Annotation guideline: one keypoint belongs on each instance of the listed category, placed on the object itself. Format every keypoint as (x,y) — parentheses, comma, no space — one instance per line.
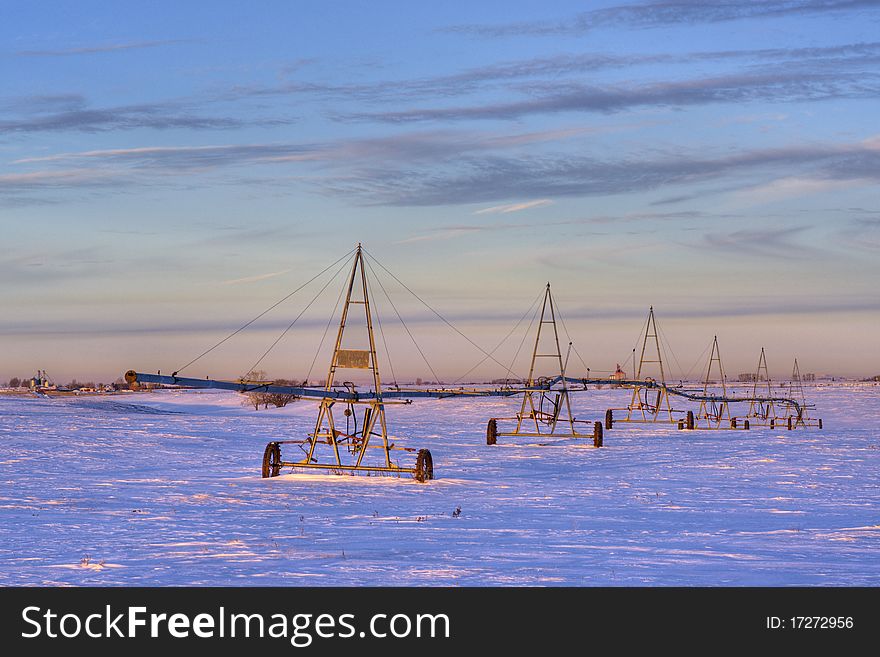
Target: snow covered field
(165,489)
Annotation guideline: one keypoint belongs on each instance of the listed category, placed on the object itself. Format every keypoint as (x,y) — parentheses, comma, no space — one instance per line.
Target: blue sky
(169,170)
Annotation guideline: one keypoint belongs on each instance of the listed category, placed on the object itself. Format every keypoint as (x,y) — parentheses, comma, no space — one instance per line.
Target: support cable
(665,340)
(272,307)
(523,341)
(570,341)
(441,317)
(381,331)
(643,335)
(504,339)
(699,359)
(326,330)
(405,327)
(296,319)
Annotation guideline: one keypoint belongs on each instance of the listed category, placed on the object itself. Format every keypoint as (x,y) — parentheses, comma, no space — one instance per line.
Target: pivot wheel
(492,432)
(272,460)
(424,466)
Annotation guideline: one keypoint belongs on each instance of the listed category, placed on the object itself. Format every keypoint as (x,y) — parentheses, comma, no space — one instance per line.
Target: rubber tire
(609,418)
(597,435)
(424,466)
(492,432)
(689,423)
(272,460)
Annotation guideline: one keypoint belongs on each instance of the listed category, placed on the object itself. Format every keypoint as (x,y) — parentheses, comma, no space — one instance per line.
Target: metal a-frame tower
(649,402)
(762,411)
(328,447)
(796,391)
(545,409)
(715,412)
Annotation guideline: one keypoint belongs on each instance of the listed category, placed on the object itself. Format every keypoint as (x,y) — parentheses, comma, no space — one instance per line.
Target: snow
(164,488)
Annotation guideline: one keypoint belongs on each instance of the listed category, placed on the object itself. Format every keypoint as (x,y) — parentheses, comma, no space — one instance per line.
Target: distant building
(40,382)
(619,374)
(809,376)
(746,377)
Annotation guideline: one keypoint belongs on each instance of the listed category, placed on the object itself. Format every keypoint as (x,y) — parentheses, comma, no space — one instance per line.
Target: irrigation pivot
(363,445)
(331,447)
(650,395)
(545,409)
(802,417)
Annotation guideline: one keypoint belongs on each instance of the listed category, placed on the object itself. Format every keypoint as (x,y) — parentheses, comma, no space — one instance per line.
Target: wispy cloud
(42,103)
(211,235)
(66,178)
(796,187)
(153,116)
(451,232)
(410,148)
(120,169)
(773,305)
(40,267)
(779,86)
(551,84)
(254,279)
(442,234)
(774,243)
(180,157)
(103,48)
(496,178)
(515,207)
(660,13)
(72,112)
(556,71)
(456,168)
(862,232)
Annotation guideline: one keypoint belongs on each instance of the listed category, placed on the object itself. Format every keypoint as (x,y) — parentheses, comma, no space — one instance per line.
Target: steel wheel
(492,432)
(424,466)
(272,460)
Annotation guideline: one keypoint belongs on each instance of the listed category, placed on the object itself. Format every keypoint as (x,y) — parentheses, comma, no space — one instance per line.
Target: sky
(168,171)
